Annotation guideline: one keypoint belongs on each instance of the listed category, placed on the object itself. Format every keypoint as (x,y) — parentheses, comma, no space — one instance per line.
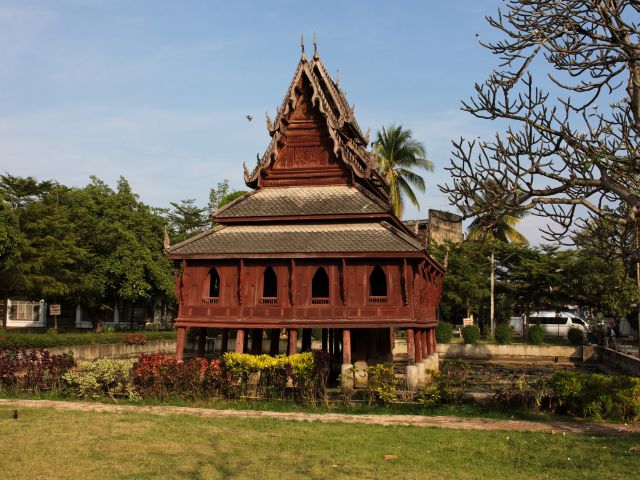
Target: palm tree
(398,153)
(496,224)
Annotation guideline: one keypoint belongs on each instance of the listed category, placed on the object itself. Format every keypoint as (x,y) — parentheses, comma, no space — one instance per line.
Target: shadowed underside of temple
(315,245)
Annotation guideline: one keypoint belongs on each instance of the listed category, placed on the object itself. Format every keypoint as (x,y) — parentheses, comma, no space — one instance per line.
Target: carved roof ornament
(348,142)
(303,57)
(316,57)
(269,124)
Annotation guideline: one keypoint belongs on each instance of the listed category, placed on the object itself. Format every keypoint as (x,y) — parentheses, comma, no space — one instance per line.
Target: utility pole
(493,282)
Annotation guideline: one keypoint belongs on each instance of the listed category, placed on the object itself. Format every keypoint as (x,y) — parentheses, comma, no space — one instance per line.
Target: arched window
(269,283)
(377,284)
(214,283)
(211,292)
(320,286)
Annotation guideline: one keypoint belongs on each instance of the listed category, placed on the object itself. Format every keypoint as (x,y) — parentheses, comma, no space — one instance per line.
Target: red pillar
(274,347)
(240,340)
(418,339)
(346,346)
(224,341)
(411,347)
(434,344)
(293,341)
(425,343)
(180,341)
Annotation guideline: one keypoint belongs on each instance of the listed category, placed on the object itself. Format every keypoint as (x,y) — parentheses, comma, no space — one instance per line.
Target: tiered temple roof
(317,188)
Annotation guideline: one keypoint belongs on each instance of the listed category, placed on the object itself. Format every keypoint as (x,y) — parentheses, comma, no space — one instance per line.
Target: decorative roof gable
(314,103)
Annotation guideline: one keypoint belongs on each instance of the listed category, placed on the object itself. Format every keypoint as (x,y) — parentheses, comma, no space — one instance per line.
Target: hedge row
(52,339)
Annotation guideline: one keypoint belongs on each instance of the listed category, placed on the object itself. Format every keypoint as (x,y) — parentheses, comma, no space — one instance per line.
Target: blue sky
(158,91)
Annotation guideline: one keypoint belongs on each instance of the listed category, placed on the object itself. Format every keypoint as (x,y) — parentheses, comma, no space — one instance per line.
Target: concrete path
(458,423)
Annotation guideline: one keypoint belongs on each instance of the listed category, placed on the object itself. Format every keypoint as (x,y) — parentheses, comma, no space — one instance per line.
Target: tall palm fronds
(495,224)
(399,153)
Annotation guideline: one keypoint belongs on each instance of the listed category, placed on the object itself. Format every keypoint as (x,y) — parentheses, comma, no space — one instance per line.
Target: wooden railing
(211,300)
(319,301)
(378,299)
(268,300)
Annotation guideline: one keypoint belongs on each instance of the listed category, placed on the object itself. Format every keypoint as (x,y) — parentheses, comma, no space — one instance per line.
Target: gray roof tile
(300,238)
(297,201)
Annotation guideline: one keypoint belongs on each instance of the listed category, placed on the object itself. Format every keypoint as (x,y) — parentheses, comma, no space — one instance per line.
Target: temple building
(315,245)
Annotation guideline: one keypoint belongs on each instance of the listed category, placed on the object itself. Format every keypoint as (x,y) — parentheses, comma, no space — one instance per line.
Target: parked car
(553,323)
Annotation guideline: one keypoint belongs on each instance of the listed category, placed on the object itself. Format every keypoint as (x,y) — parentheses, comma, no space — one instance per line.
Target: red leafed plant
(162,376)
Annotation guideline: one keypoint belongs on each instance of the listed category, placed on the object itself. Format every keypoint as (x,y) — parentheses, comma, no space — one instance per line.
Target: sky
(158,91)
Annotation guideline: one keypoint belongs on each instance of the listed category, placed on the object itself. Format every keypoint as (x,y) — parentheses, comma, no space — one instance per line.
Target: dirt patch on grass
(450,422)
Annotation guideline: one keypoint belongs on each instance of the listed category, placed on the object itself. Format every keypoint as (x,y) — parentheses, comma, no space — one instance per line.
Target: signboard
(54,310)
(467,321)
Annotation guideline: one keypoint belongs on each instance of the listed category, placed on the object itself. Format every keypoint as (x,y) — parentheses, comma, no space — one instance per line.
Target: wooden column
(293,341)
(274,347)
(426,351)
(202,341)
(325,339)
(240,340)
(346,346)
(224,341)
(306,339)
(411,347)
(180,341)
(418,339)
(256,341)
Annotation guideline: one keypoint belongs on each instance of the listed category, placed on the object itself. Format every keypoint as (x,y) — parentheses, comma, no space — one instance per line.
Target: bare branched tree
(565,158)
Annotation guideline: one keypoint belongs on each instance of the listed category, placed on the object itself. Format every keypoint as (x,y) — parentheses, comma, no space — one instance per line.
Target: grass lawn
(44,443)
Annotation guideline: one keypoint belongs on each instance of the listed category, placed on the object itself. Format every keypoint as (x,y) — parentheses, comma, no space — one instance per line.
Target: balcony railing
(268,300)
(211,300)
(378,299)
(319,301)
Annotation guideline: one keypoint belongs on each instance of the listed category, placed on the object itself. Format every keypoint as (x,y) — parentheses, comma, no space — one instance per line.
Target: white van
(552,323)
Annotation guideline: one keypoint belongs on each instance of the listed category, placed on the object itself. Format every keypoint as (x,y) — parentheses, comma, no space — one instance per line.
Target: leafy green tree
(186,219)
(465,288)
(125,238)
(398,154)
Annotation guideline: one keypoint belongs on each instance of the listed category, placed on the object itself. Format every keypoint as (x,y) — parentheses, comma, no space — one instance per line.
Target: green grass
(45,443)
(49,340)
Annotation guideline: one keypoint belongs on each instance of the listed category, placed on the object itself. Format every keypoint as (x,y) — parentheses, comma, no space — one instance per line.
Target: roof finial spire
(337,77)
(315,47)
(303,57)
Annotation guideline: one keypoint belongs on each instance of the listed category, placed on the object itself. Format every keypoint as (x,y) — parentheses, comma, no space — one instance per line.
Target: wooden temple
(315,245)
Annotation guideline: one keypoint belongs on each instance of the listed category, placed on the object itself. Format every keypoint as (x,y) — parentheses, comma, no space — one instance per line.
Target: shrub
(575,336)
(615,397)
(471,334)
(308,372)
(381,384)
(535,335)
(100,378)
(32,370)
(430,394)
(453,380)
(444,332)
(504,334)
(39,340)
(162,376)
